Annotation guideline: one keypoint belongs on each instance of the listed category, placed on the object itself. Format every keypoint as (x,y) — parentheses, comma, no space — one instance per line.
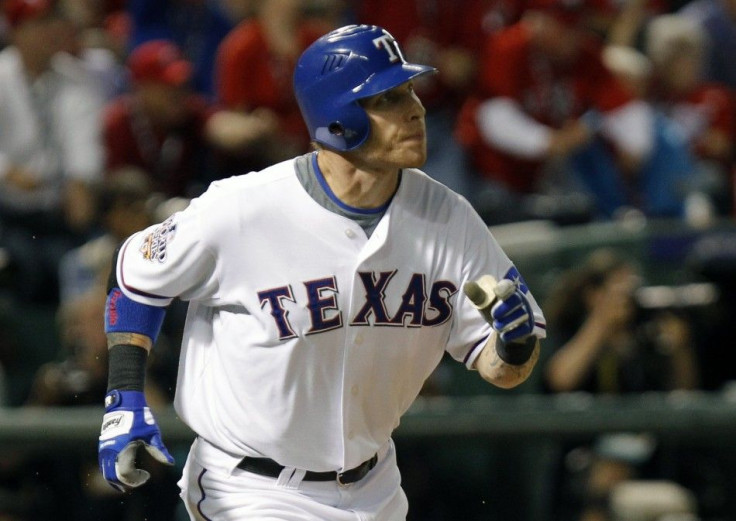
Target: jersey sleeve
(168,260)
(483,256)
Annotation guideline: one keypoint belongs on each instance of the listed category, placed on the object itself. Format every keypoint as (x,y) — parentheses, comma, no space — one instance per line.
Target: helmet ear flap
(347,128)
(335,128)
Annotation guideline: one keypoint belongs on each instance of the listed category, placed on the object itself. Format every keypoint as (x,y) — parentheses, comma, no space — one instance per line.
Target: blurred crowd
(115,113)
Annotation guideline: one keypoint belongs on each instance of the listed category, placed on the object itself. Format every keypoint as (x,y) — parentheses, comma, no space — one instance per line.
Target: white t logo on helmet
(389,45)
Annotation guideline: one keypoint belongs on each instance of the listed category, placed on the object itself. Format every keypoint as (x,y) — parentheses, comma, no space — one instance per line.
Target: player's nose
(416,107)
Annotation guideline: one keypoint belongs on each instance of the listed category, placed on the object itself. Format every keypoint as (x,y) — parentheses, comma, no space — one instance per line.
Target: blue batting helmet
(340,68)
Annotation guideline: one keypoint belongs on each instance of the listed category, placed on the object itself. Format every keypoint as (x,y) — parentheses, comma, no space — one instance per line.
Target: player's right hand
(128,424)
(513,316)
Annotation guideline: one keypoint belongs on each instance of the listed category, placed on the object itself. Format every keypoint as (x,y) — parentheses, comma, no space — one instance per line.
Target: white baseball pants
(214,490)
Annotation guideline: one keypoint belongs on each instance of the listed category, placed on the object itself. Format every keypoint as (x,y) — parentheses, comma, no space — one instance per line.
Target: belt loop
(290,477)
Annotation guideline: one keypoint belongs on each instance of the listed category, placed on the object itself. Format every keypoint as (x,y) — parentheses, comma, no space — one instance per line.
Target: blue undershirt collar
(326,187)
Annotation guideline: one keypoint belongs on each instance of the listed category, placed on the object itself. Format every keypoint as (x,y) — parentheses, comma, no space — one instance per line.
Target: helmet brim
(389,78)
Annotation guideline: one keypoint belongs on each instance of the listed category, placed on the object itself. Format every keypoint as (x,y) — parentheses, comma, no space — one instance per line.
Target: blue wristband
(123,315)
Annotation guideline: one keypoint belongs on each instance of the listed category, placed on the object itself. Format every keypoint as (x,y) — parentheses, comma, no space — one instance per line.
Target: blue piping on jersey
(475,346)
(338,202)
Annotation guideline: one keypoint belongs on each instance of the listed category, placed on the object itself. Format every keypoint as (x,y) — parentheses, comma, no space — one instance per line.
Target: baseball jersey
(306,340)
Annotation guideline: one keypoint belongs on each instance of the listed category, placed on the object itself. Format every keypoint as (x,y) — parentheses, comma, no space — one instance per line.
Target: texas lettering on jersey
(421,304)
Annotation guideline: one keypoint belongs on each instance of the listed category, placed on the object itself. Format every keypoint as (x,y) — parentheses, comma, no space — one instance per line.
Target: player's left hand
(513,316)
(127,425)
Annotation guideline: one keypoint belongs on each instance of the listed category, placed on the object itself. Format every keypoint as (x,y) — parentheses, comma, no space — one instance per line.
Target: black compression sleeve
(127,367)
(516,353)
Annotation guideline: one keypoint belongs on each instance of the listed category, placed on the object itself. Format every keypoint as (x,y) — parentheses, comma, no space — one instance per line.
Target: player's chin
(414,155)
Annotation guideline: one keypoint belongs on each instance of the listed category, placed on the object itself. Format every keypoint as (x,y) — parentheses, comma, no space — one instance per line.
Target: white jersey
(306,340)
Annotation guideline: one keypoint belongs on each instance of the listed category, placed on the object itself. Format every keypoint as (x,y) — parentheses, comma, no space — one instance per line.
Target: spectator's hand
(612,305)
(572,136)
(234,130)
(128,424)
(673,333)
(22,179)
(458,67)
(79,206)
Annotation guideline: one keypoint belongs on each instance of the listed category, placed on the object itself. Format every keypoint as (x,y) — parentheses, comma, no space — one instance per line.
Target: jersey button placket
(351,390)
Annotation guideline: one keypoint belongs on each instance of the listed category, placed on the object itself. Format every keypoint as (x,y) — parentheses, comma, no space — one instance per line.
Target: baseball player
(322,292)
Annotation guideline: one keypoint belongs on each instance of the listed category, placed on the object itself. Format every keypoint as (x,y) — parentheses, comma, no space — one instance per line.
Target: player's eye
(391,97)
(398,94)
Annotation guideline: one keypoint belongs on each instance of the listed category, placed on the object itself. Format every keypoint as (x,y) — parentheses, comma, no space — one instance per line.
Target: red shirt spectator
(705,111)
(445,22)
(676,46)
(444,33)
(160,126)
(251,75)
(550,91)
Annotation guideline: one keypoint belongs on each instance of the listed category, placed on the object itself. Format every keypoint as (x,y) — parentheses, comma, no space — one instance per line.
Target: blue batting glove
(513,317)
(128,424)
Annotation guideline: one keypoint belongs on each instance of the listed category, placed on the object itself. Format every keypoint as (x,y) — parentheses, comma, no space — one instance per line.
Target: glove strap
(518,352)
(116,399)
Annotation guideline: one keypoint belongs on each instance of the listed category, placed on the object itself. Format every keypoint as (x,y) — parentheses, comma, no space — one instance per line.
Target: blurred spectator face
(616,291)
(241,9)
(682,71)
(676,46)
(565,46)
(332,12)
(559,34)
(164,104)
(127,217)
(125,198)
(35,28)
(85,13)
(161,75)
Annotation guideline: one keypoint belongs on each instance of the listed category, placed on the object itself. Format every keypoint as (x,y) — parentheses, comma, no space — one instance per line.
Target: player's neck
(355,184)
